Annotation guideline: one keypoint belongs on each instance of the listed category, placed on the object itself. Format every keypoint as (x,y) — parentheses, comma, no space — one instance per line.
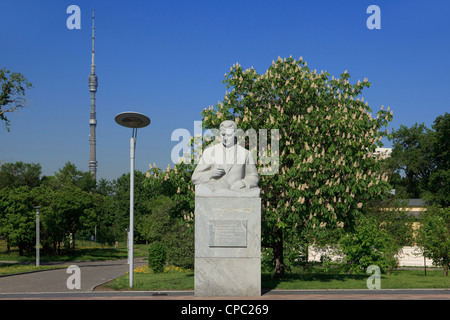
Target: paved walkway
(93,273)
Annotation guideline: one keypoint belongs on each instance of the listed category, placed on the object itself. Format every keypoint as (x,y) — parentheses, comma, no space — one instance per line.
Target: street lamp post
(37,235)
(132,120)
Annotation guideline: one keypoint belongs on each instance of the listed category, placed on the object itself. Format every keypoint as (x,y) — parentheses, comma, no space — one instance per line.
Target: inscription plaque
(228,233)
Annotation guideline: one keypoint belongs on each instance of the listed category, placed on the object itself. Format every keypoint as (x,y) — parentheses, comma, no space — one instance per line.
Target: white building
(383,153)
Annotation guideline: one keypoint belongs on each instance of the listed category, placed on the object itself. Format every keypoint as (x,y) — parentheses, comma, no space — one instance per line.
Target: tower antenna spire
(93,44)
(93,83)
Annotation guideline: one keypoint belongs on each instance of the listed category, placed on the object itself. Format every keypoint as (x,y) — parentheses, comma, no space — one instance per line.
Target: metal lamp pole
(37,235)
(132,120)
(131,234)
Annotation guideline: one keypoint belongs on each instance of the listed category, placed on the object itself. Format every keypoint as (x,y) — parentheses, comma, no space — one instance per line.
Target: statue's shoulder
(211,150)
(212,147)
(241,149)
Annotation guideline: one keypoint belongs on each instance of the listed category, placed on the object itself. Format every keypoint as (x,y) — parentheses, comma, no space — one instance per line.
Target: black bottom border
(219,309)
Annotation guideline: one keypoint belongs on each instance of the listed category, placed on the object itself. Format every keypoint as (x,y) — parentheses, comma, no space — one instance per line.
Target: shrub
(369,245)
(434,236)
(157,257)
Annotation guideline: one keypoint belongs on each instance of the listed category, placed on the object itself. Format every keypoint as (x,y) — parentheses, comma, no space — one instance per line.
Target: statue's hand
(237,185)
(217,172)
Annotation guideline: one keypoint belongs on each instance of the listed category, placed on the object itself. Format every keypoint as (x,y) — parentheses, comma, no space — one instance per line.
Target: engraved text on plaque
(228,233)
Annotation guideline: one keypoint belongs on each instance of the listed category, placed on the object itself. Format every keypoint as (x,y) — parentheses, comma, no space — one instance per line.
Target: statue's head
(228,131)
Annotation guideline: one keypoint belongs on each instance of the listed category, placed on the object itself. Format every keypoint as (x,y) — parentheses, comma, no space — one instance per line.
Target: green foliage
(69,175)
(392,217)
(142,195)
(103,218)
(439,183)
(19,174)
(67,206)
(62,214)
(12,95)
(412,160)
(154,225)
(420,162)
(368,244)
(434,236)
(177,184)
(175,208)
(73,208)
(326,173)
(157,257)
(438,188)
(441,148)
(18,218)
(177,237)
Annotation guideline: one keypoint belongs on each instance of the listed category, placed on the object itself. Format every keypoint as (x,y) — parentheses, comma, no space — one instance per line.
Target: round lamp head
(132,119)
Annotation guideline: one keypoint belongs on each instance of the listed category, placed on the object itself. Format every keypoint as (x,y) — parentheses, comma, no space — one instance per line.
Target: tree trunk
(73,242)
(306,261)
(8,245)
(278,255)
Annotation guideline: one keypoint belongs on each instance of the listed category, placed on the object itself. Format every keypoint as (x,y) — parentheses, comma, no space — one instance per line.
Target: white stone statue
(226,166)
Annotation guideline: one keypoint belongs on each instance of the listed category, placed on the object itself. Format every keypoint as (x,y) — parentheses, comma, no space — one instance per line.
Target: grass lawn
(7,268)
(173,278)
(84,251)
(181,279)
(398,279)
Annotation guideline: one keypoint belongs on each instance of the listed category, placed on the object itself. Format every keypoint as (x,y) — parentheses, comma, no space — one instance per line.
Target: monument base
(227,246)
(224,277)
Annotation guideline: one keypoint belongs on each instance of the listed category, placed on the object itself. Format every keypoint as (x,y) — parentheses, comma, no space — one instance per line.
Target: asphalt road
(92,274)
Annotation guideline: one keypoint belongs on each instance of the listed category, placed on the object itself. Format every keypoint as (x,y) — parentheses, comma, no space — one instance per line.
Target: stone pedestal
(228,244)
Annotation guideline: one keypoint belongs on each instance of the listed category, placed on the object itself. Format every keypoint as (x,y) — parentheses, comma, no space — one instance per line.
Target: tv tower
(93,83)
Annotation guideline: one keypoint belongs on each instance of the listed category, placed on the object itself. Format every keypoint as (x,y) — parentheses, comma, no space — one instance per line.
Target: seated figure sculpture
(226,166)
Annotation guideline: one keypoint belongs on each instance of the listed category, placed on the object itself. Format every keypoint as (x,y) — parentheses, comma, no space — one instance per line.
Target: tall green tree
(53,233)
(103,217)
(420,161)
(12,95)
(412,160)
(439,182)
(20,174)
(141,197)
(18,218)
(434,236)
(69,206)
(70,175)
(326,173)
(68,202)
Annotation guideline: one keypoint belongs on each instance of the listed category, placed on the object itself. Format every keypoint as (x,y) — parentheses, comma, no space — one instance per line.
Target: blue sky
(167,59)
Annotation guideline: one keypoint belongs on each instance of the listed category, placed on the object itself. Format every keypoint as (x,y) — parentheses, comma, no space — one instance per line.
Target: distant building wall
(383,153)
(408,256)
